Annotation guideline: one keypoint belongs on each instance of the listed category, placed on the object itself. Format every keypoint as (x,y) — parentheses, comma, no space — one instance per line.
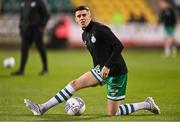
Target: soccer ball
(75,106)
(9,62)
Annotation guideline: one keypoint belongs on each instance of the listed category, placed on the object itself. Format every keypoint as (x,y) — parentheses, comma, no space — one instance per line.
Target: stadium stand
(105,9)
(61,6)
(102,10)
(55,6)
(10,6)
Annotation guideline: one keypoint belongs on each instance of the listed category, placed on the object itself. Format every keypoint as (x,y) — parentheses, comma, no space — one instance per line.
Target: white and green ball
(9,62)
(75,106)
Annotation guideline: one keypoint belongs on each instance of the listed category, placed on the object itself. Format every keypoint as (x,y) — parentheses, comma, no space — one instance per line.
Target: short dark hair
(79,8)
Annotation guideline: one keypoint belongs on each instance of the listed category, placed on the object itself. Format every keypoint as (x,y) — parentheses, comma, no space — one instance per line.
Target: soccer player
(33,19)
(109,68)
(169,20)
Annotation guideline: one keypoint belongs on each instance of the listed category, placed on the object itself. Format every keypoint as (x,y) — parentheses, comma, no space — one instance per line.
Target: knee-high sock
(61,96)
(167,51)
(126,109)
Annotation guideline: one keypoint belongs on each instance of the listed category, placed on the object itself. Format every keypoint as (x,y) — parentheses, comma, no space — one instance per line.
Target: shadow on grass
(65,117)
(50,117)
(5,75)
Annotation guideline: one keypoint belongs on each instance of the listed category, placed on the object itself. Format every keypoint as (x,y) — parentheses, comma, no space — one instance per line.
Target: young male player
(169,20)
(109,68)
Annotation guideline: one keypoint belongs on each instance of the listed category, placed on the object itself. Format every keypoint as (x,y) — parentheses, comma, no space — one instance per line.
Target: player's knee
(74,84)
(111,113)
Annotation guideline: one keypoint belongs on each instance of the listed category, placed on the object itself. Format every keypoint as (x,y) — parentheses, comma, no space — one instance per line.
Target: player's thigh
(38,38)
(26,41)
(85,80)
(116,89)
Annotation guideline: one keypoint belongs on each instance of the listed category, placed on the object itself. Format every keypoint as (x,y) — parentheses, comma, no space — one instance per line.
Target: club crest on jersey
(22,4)
(93,39)
(33,4)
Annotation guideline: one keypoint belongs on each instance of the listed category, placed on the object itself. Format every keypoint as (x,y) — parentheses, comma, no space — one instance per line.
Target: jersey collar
(88,27)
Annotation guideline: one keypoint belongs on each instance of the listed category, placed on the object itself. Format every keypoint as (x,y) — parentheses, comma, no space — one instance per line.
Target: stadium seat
(55,6)
(62,6)
(11,6)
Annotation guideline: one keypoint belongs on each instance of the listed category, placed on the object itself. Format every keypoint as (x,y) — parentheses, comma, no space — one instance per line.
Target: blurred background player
(168,19)
(109,68)
(33,19)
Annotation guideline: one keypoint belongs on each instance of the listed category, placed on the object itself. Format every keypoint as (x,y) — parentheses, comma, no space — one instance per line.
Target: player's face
(163,4)
(83,18)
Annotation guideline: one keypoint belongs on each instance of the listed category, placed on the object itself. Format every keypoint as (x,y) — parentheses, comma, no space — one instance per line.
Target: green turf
(150,74)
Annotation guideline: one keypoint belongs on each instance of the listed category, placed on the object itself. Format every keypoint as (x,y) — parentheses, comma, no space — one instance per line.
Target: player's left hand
(104,72)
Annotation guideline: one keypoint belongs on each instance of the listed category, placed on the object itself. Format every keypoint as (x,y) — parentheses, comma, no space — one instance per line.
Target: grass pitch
(150,74)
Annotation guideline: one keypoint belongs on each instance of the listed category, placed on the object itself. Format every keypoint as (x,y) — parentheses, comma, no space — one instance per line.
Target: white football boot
(36,109)
(153,107)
